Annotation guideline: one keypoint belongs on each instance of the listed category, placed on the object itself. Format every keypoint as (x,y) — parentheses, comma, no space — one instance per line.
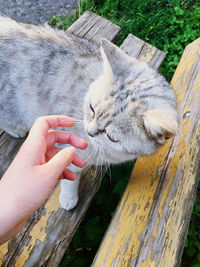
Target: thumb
(60,161)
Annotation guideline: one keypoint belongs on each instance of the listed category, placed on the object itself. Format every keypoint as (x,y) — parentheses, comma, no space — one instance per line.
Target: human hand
(35,170)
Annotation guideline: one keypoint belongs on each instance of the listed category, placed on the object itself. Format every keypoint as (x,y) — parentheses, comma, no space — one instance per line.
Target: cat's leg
(69,193)
(18,131)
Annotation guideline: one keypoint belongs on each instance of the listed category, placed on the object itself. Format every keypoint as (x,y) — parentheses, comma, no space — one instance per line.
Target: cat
(123,108)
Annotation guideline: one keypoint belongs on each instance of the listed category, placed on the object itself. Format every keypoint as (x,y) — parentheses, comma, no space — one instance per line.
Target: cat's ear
(161,124)
(113,57)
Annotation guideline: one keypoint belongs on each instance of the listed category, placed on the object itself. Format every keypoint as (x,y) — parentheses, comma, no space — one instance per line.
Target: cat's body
(123,108)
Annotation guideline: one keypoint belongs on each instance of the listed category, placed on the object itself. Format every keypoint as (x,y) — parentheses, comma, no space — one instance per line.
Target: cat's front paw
(20,131)
(68,203)
(17,131)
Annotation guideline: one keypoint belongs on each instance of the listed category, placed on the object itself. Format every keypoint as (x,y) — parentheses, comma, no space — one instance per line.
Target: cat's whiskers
(91,158)
(97,167)
(91,162)
(108,170)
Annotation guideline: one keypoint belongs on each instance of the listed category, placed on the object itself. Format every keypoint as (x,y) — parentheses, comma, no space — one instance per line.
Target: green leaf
(195,265)
(93,221)
(119,187)
(92,229)
(197,244)
(77,263)
(76,240)
(68,259)
(178,10)
(186,243)
(190,251)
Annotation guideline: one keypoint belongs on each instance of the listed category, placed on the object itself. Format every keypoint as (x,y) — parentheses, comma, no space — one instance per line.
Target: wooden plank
(151,221)
(93,27)
(48,233)
(136,47)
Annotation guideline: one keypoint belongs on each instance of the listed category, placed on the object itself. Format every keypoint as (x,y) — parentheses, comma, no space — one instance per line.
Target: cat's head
(130,109)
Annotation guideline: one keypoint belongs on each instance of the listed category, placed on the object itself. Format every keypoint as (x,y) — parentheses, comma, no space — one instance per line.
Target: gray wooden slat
(143,51)
(157,59)
(83,25)
(132,45)
(8,148)
(94,27)
(46,236)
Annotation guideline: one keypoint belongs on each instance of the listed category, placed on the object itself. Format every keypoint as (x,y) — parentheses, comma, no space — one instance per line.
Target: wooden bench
(150,224)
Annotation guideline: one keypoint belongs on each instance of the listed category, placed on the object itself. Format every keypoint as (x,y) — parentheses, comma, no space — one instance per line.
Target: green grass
(170,26)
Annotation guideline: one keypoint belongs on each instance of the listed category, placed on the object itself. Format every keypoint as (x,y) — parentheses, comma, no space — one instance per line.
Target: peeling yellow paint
(148,262)
(173,165)
(39,230)
(174,224)
(140,190)
(3,251)
(182,73)
(198,84)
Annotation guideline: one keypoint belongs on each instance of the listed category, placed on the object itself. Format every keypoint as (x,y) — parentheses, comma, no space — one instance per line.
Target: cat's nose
(90,133)
(92,129)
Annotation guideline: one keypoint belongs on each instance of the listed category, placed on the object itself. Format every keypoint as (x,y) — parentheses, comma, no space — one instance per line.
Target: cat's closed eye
(112,139)
(92,109)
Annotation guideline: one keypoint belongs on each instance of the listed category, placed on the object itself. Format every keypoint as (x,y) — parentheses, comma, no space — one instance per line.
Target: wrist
(10,220)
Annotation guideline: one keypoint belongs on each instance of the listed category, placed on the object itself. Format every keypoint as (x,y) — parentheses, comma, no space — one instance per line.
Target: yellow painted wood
(151,221)
(38,232)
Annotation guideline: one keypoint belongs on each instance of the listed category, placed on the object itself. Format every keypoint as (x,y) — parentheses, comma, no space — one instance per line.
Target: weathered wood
(48,233)
(136,47)
(150,225)
(93,27)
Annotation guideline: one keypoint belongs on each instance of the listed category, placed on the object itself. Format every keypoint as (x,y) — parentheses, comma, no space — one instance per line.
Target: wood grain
(48,233)
(94,27)
(150,225)
(136,47)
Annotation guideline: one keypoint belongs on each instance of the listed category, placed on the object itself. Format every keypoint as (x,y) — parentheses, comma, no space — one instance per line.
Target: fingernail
(68,120)
(84,144)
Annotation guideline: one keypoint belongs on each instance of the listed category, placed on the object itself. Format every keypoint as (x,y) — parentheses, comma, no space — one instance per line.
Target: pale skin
(32,175)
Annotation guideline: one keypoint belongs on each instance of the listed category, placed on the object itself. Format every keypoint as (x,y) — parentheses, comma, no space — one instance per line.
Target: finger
(52,152)
(43,124)
(56,165)
(77,161)
(64,137)
(69,175)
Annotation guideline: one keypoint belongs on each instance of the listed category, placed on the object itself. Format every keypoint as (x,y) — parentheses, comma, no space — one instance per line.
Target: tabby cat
(123,108)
